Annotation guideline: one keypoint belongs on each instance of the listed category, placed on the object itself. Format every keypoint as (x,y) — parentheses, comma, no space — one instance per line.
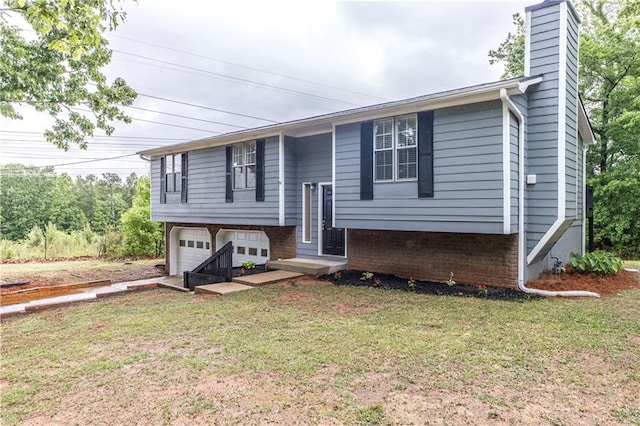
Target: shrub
(597,262)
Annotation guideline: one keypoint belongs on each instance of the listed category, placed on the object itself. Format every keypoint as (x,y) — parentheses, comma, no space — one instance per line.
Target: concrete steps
(266,277)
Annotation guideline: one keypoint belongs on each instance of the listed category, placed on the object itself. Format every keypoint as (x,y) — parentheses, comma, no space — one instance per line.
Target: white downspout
(521,240)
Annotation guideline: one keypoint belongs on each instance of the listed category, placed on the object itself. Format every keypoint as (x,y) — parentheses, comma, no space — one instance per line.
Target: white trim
(304,216)
(506,168)
(562,113)
(524,85)
(281,182)
(527,44)
(583,185)
(333,178)
(544,240)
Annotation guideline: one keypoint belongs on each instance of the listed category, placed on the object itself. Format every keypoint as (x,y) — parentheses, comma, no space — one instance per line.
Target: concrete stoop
(266,278)
(308,266)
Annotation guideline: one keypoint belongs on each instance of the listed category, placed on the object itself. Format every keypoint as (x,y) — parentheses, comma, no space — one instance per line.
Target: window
(306,212)
(244,165)
(395,142)
(173,173)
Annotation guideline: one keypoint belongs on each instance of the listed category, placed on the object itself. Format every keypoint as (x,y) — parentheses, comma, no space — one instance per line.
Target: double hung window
(173,173)
(395,142)
(244,165)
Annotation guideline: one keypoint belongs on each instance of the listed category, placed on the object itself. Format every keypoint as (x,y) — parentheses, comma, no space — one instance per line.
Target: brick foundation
(473,258)
(282,239)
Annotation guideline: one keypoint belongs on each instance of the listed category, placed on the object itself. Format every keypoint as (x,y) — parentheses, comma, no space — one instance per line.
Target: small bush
(597,262)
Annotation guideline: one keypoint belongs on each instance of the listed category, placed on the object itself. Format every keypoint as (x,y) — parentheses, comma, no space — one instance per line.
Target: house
(485,181)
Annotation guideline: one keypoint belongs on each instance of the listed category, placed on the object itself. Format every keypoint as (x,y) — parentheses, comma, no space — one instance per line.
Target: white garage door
(247,245)
(194,247)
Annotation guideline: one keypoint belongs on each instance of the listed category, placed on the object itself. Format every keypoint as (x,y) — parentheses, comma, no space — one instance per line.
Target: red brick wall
(473,258)
(282,239)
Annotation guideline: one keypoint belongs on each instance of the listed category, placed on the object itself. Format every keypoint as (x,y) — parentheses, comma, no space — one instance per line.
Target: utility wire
(144,95)
(248,67)
(99,136)
(239,79)
(188,118)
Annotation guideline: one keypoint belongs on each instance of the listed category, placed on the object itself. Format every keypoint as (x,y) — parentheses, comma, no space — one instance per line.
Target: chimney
(551,51)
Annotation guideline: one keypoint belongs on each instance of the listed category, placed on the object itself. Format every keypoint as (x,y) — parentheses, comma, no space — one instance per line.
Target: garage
(247,245)
(190,247)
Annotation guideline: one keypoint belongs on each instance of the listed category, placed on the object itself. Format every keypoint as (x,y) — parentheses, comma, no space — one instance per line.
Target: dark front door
(332,238)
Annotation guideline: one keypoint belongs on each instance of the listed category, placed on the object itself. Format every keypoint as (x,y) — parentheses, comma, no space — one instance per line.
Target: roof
(324,123)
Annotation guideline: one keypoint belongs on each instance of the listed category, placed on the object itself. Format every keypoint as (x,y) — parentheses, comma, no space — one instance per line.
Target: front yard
(314,353)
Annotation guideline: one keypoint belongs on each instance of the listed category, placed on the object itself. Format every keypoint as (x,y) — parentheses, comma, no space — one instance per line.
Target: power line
(240,80)
(188,118)
(159,122)
(88,161)
(249,68)
(100,136)
(144,95)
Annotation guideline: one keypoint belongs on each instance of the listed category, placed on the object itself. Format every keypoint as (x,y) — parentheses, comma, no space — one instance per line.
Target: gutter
(521,235)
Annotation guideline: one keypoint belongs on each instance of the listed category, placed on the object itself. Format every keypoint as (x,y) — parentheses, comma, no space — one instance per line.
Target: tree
(61,68)
(609,86)
(141,235)
(25,198)
(64,211)
(511,51)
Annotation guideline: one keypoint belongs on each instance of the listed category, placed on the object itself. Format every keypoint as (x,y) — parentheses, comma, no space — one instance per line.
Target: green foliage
(511,51)
(597,262)
(25,198)
(248,264)
(366,276)
(51,243)
(141,235)
(61,67)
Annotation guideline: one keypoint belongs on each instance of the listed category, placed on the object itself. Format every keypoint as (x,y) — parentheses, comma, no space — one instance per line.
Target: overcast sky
(270,61)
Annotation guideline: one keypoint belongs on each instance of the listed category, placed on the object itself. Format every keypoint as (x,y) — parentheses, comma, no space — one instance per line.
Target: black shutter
(366,160)
(185,173)
(425,154)
(163,171)
(229,175)
(260,170)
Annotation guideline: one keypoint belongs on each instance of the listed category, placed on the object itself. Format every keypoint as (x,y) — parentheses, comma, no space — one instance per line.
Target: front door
(332,238)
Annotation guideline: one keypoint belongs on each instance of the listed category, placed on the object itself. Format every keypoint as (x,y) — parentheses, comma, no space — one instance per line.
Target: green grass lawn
(321,354)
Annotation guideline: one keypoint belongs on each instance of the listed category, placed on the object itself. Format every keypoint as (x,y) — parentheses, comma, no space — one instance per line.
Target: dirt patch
(80,271)
(295,295)
(604,285)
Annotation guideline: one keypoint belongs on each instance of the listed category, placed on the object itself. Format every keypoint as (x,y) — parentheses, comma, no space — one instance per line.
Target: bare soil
(71,272)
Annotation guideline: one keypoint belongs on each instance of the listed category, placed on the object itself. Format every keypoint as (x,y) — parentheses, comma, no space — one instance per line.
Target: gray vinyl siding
(313,155)
(206,196)
(290,181)
(514,127)
(542,126)
(571,161)
(468,180)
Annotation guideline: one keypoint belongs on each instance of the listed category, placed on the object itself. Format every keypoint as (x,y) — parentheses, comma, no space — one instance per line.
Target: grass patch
(339,354)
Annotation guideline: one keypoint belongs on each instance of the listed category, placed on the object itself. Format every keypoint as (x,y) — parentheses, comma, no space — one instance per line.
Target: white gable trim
(527,44)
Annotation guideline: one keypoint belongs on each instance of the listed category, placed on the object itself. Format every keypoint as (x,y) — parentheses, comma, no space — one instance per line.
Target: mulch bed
(393,282)
(624,280)
(610,284)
